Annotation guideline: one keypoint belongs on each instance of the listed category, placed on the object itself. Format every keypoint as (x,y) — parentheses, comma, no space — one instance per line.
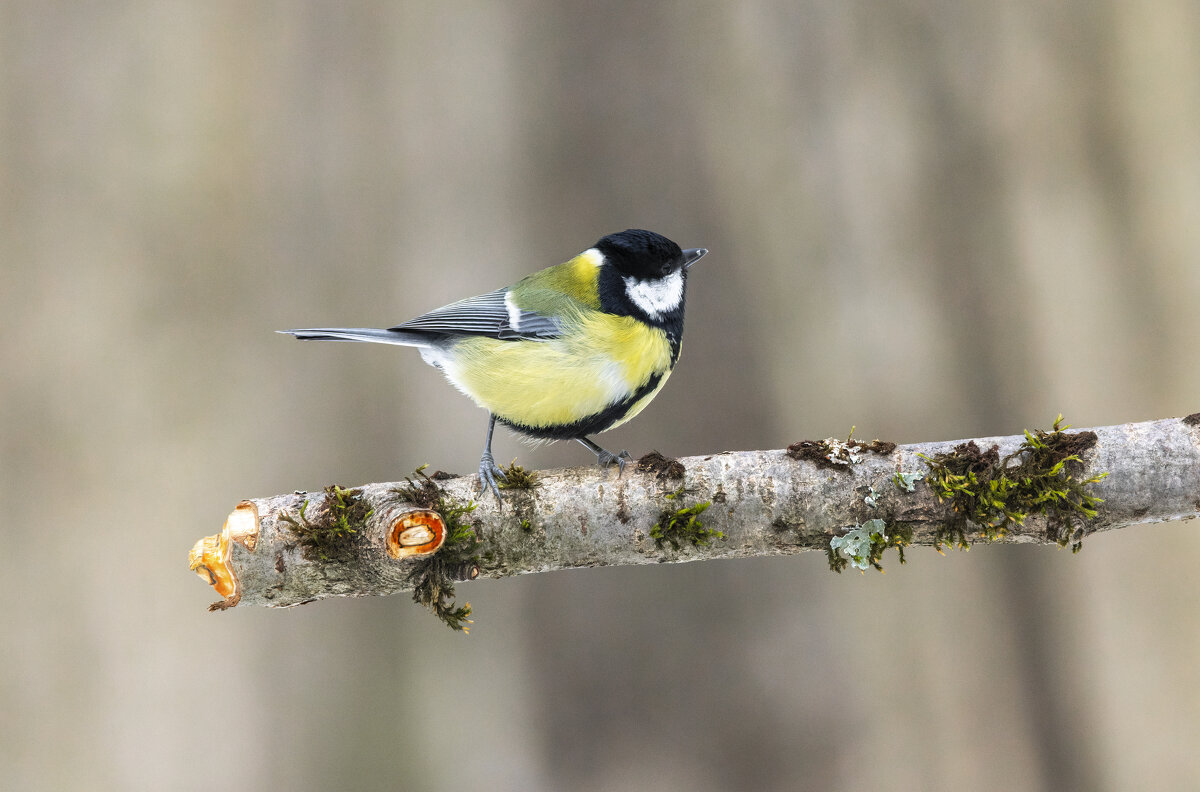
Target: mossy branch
(1054,486)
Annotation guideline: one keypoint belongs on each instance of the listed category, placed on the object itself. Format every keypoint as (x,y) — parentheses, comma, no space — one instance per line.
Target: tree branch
(426,533)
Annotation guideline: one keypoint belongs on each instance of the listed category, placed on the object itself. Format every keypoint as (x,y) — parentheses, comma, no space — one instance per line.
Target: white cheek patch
(514,313)
(656,297)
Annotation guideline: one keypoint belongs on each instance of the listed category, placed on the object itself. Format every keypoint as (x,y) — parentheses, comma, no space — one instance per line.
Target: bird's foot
(606,458)
(488,471)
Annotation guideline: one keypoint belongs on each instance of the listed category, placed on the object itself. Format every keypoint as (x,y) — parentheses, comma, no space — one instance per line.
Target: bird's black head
(644,276)
(641,254)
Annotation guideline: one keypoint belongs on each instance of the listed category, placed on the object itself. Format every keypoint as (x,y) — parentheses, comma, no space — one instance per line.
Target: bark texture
(763,502)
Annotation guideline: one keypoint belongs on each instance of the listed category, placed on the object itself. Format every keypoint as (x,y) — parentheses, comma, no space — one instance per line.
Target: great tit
(567,352)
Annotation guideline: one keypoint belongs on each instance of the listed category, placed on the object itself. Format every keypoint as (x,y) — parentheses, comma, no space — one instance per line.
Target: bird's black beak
(692,255)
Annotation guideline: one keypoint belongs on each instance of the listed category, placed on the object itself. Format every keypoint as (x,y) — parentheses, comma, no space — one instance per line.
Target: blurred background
(932,220)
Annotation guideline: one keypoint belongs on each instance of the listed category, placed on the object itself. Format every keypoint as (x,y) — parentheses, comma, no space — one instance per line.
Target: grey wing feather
(485,315)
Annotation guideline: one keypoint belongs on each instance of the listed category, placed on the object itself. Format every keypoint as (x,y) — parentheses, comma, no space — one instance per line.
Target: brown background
(930,219)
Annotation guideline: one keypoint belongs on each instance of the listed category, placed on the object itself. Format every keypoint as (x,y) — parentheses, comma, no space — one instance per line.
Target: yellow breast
(601,361)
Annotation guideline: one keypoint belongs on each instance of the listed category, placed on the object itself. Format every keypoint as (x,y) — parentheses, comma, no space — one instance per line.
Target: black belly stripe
(592,424)
(674,340)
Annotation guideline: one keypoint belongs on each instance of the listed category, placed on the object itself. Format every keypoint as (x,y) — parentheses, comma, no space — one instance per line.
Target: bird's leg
(488,469)
(606,458)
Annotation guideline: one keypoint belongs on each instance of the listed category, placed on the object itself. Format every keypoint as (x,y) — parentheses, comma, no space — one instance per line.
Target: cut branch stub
(416,533)
(210,557)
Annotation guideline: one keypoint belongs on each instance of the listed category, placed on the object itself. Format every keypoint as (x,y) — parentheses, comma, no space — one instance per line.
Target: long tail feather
(369,334)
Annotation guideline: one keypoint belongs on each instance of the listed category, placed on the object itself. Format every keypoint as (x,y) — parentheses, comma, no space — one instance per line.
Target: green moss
(329,535)
(899,536)
(433,577)
(837,561)
(676,526)
(863,545)
(517,477)
(995,495)
(420,491)
(952,534)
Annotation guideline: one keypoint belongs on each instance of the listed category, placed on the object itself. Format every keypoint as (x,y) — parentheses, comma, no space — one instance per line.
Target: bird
(564,353)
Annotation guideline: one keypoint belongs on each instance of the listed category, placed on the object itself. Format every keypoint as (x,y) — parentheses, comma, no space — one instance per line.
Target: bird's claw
(488,471)
(606,458)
